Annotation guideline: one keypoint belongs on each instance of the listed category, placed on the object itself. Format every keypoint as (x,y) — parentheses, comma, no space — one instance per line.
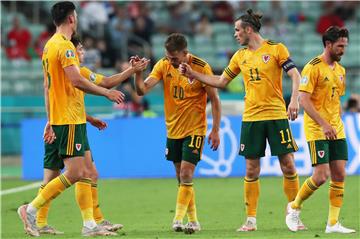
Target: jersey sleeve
(283,54)
(309,79)
(66,55)
(91,76)
(233,69)
(157,70)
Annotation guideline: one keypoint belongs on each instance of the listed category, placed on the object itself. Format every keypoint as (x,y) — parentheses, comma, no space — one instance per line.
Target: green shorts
(71,141)
(323,151)
(188,149)
(277,132)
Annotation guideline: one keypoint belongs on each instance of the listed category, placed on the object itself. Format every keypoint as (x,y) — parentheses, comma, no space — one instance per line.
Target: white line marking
(20,189)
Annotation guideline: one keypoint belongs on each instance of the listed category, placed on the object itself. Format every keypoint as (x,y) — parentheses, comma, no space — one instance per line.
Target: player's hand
(329,131)
(98,123)
(49,134)
(293,110)
(115,96)
(140,65)
(214,139)
(186,70)
(134,59)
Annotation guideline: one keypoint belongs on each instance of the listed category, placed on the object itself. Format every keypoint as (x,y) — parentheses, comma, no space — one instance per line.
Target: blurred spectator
(43,38)
(329,18)
(133,104)
(346,10)
(105,56)
(93,17)
(352,104)
(223,12)
(203,27)
(120,26)
(143,24)
(180,20)
(18,42)
(92,56)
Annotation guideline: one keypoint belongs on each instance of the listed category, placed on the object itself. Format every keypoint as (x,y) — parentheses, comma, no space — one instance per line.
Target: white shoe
(338,228)
(96,231)
(110,226)
(248,226)
(292,219)
(177,226)
(192,227)
(29,221)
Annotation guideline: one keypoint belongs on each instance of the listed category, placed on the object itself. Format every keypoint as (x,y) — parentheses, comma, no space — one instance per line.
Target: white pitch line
(20,189)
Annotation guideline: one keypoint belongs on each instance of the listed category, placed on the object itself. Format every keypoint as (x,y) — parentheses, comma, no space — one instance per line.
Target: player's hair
(60,11)
(251,19)
(333,33)
(76,40)
(175,42)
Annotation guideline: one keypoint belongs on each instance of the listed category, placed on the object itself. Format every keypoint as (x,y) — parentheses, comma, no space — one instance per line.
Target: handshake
(138,64)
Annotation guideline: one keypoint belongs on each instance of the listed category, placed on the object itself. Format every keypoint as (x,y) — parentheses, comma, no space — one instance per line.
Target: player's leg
(319,154)
(252,147)
(42,213)
(97,213)
(338,158)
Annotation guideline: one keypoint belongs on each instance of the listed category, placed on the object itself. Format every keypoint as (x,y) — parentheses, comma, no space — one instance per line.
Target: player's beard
(335,57)
(245,42)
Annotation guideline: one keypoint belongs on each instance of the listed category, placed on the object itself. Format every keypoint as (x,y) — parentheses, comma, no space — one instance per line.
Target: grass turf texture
(146,208)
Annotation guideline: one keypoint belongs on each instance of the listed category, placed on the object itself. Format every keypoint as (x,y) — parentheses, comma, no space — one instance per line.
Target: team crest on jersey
(69,54)
(92,77)
(242,147)
(191,80)
(266,58)
(321,153)
(341,78)
(78,147)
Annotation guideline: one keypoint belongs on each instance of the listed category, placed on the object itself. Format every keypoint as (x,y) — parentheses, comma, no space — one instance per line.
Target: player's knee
(252,172)
(321,178)
(186,176)
(338,176)
(94,175)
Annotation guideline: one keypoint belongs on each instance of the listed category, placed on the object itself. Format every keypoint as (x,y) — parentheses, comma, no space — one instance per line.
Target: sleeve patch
(304,80)
(92,77)
(69,54)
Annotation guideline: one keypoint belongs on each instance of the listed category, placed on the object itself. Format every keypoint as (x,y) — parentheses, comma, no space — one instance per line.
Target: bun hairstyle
(251,19)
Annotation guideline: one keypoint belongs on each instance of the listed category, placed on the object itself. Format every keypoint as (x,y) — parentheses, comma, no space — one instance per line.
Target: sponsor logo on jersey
(266,58)
(69,54)
(289,146)
(321,153)
(78,147)
(326,79)
(92,77)
(168,75)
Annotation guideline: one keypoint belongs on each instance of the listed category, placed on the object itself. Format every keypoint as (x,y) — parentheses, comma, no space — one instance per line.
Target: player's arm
(114,80)
(143,87)
(49,134)
(216,115)
(293,108)
(306,103)
(211,80)
(98,123)
(73,73)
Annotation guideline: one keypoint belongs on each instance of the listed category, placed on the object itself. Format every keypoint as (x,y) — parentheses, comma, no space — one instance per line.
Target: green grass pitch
(146,208)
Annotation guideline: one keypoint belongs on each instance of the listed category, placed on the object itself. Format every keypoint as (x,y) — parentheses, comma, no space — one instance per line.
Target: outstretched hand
(186,70)
(115,96)
(98,123)
(49,134)
(214,139)
(138,64)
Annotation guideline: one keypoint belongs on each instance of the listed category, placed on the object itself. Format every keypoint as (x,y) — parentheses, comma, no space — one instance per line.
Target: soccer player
(66,113)
(265,118)
(52,168)
(322,84)
(185,116)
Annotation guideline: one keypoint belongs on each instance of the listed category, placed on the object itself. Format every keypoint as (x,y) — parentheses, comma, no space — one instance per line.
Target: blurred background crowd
(112,31)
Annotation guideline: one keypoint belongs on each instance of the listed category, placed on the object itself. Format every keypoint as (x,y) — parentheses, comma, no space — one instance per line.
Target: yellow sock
(84,198)
(183,198)
(51,191)
(42,213)
(306,190)
(291,186)
(98,216)
(251,195)
(191,211)
(336,196)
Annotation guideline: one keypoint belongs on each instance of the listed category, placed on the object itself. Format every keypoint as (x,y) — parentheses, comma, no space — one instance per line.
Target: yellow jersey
(66,102)
(262,74)
(326,85)
(184,98)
